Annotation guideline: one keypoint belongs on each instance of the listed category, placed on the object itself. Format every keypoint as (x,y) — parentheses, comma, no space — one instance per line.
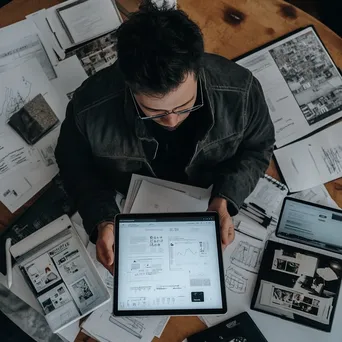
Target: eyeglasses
(179,112)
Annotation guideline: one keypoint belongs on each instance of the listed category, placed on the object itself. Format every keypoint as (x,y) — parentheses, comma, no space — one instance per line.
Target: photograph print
(298,285)
(96,54)
(313,79)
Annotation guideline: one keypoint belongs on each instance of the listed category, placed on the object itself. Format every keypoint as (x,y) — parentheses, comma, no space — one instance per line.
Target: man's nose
(171,120)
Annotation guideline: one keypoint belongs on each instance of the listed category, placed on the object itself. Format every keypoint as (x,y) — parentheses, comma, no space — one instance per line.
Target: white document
(158,331)
(241,261)
(17,87)
(192,191)
(312,161)
(21,42)
(318,194)
(70,333)
(105,275)
(14,153)
(77,21)
(153,198)
(49,39)
(301,84)
(105,327)
(20,85)
(70,76)
(268,195)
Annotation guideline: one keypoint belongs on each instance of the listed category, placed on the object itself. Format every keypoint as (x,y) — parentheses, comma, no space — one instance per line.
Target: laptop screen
(311,224)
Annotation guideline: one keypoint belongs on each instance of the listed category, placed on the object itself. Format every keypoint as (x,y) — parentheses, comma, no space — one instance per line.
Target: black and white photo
(82,290)
(97,54)
(298,285)
(42,272)
(55,298)
(311,76)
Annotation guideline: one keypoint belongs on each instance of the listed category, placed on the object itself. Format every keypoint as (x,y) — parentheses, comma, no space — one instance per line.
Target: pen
(8,263)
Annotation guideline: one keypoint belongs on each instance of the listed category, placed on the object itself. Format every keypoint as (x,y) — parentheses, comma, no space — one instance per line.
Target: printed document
(153,198)
(23,41)
(301,83)
(312,161)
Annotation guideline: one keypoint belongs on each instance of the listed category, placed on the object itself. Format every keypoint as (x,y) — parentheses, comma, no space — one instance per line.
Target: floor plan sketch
(235,281)
(14,100)
(246,256)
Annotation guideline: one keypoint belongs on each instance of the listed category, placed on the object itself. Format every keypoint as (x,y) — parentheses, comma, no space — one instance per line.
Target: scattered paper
(302,85)
(14,153)
(268,195)
(161,326)
(105,275)
(241,262)
(70,333)
(107,328)
(48,38)
(153,198)
(20,85)
(22,42)
(70,76)
(192,191)
(76,21)
(318,194)
(312,161)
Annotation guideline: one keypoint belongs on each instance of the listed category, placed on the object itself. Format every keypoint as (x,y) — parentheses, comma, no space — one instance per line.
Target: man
(165,109)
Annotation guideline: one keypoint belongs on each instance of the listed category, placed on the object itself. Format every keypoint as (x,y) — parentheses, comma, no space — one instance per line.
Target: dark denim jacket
(101,140)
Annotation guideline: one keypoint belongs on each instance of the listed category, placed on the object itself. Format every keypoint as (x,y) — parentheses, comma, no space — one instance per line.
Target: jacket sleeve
(94,200)
(236,178)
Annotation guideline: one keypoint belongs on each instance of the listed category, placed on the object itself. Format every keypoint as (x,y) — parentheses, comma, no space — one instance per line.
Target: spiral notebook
(267,196)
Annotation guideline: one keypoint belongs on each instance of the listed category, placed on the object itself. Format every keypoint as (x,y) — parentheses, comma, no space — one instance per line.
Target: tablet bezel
(304,242)
(172,312)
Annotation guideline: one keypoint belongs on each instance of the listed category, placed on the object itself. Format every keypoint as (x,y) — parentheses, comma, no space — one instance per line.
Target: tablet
(168,264)
(311,224)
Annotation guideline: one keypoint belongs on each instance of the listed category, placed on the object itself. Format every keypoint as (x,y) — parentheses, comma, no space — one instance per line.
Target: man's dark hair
(157,48)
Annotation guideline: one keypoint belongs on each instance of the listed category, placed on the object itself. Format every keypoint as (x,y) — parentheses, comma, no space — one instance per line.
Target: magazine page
(64,279)
(302,85)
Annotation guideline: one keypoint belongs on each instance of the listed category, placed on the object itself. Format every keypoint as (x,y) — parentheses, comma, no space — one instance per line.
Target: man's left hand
(227,228)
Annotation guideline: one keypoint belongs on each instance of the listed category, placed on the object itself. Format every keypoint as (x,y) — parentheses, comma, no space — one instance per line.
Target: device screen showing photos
(298,285)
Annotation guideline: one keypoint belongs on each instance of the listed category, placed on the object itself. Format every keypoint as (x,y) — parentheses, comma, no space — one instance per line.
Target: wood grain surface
(230,28)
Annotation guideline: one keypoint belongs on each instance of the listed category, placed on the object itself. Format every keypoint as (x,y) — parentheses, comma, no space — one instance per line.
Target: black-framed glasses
(177,112)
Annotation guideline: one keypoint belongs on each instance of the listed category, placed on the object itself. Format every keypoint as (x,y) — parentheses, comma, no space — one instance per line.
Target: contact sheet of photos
(298,285)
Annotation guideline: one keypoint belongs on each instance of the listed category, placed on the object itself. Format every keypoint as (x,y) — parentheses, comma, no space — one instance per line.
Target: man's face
(183,97)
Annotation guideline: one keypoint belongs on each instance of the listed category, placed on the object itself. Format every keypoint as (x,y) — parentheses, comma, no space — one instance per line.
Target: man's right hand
(105,245)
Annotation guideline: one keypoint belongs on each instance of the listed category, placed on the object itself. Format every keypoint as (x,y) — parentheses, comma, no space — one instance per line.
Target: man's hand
(104,245)
(227,228)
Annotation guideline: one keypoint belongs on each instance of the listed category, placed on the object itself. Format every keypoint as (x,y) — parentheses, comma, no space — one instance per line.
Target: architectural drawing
(131,324)
(246,256)
(14,100)
(235,281)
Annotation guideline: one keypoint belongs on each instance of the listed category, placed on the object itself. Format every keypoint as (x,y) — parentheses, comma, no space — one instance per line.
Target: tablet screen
(311,224)
(169,263)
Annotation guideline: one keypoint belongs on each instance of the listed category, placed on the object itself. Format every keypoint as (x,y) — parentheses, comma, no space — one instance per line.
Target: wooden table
(230,28)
